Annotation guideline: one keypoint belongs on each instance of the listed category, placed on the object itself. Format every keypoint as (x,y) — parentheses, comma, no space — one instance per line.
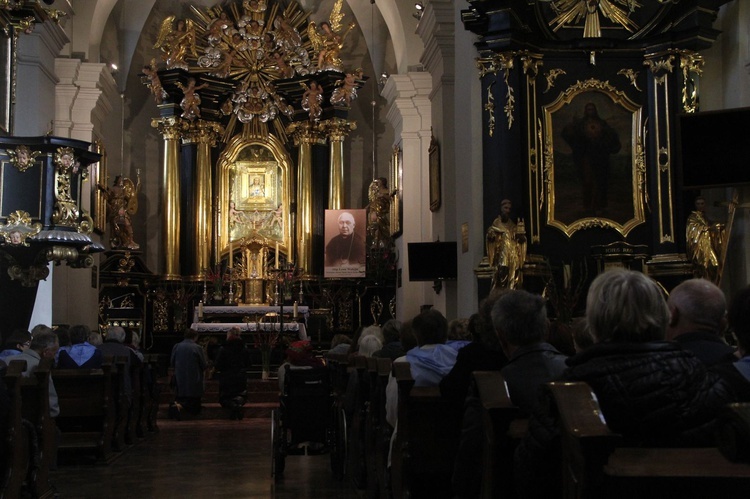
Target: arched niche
(255,193)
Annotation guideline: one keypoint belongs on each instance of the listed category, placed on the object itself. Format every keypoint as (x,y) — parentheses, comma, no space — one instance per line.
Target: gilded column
(171,129)
(305,135)
(337,130)
(203,133)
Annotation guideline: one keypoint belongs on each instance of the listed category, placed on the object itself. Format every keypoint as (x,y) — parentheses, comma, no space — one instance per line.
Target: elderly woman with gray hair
(652,391)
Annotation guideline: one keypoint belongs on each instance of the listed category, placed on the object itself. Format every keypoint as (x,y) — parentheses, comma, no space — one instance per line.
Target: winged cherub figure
(329,41)
(176,42)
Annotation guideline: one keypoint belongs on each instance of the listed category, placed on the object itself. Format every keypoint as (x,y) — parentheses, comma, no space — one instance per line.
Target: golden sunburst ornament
(572,12)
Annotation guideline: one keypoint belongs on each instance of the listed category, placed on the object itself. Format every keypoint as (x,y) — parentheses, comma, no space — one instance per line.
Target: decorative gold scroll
(531,64)
(494,64)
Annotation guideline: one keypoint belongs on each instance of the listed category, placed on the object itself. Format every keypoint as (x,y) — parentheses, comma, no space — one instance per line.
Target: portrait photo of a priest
(345,254)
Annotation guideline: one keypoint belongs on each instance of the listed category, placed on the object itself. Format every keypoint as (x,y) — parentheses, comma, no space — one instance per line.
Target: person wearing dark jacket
(697,319)
(651,391)
(232,363)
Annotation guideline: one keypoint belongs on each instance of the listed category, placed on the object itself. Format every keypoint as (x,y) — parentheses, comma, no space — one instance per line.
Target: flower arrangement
(217,276)
(265,338)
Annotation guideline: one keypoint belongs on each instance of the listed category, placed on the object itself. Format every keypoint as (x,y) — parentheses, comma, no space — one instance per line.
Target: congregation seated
(392,347)
(44,345)
(18,341)
(483,353)
(81,354)
(697,318)
(737,373)
(340,344)
(652,392)
(63,340)
(114,346)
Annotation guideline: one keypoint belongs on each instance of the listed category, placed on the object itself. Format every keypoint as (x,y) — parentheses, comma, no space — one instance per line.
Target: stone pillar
(204,134)
(305,135)
(337,130)
(171,129)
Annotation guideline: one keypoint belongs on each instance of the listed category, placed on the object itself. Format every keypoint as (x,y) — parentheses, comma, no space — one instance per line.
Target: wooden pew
(16,447)
(87,410)
(35,409)
(152,392)
(383,430)
(338,365)
(359,393)
(121,403)
(596,464)
(132,429)
(502,430)
(427,437)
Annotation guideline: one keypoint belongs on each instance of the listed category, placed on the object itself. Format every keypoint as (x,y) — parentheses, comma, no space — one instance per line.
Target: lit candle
(231,260)
(277,255)
(200,310)
(295,309)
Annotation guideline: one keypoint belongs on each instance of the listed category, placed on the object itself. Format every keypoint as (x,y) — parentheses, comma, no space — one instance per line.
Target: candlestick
(277,256)
(231,260)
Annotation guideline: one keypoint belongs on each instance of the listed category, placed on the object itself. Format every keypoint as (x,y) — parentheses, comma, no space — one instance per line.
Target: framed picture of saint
(345,250)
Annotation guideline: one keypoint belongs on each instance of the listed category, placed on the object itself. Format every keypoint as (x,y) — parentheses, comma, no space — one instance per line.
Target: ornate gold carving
(171,127)
(376,309)
(573,11)
(691,64)
(202,132)
(638,162)
(126,263)
(18,228)
(22,157)
(66,210)
(392,306)
(631,75)
(490,108)
(501,62)
(161,311)
(531,64)
(30,276)
(551,76)
(661,68)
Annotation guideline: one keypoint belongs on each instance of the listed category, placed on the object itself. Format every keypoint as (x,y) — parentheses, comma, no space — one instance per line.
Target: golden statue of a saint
(506,249)
(122,203)
(705,242)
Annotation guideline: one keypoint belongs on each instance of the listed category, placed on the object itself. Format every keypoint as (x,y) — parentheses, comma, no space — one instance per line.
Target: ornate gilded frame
(227,163)
(626,116)
(6,84)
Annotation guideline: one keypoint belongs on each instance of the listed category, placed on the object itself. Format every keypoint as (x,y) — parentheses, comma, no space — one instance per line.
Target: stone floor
(203,458)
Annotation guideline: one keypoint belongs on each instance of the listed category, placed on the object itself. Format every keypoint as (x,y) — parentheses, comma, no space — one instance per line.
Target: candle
(200,310)
(295,310)
(231,260)
(277,255)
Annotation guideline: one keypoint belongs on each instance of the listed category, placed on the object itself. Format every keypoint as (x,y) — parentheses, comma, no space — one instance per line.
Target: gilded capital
(307,132)
(203,132)
(171,128)
(337,128)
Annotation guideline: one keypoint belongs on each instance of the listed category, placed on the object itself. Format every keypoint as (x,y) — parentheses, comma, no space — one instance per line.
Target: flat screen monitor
(436,261)
(714,148)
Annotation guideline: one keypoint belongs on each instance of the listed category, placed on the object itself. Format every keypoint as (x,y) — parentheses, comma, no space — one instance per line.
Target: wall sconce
(383,79)
(420,10)
(113,68)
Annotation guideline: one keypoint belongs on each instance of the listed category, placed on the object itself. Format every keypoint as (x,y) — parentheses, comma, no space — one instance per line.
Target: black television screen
(714,148)
(433,261)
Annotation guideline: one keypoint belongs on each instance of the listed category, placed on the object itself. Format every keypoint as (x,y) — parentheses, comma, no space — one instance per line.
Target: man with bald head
(697,319)
(348,247)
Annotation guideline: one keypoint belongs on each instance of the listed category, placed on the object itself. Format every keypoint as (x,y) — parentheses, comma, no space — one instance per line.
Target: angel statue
(154,83)
(122,203)
(346,89)
(191,100)
(330,40)
(311,99)
(176,43)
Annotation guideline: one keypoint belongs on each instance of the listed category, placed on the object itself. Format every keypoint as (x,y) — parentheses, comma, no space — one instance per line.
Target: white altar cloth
(218,310)
(223,327)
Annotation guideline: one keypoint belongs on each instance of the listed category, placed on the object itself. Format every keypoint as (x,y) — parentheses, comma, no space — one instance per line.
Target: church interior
(314,167)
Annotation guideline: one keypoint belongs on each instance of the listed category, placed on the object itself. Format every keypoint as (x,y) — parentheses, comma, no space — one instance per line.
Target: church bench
(596,463)
(426,441)
(87,410)
(502,430)
(375,445)
(356,404)
(36,411)
(151,392)
(16,446)
(338,365)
